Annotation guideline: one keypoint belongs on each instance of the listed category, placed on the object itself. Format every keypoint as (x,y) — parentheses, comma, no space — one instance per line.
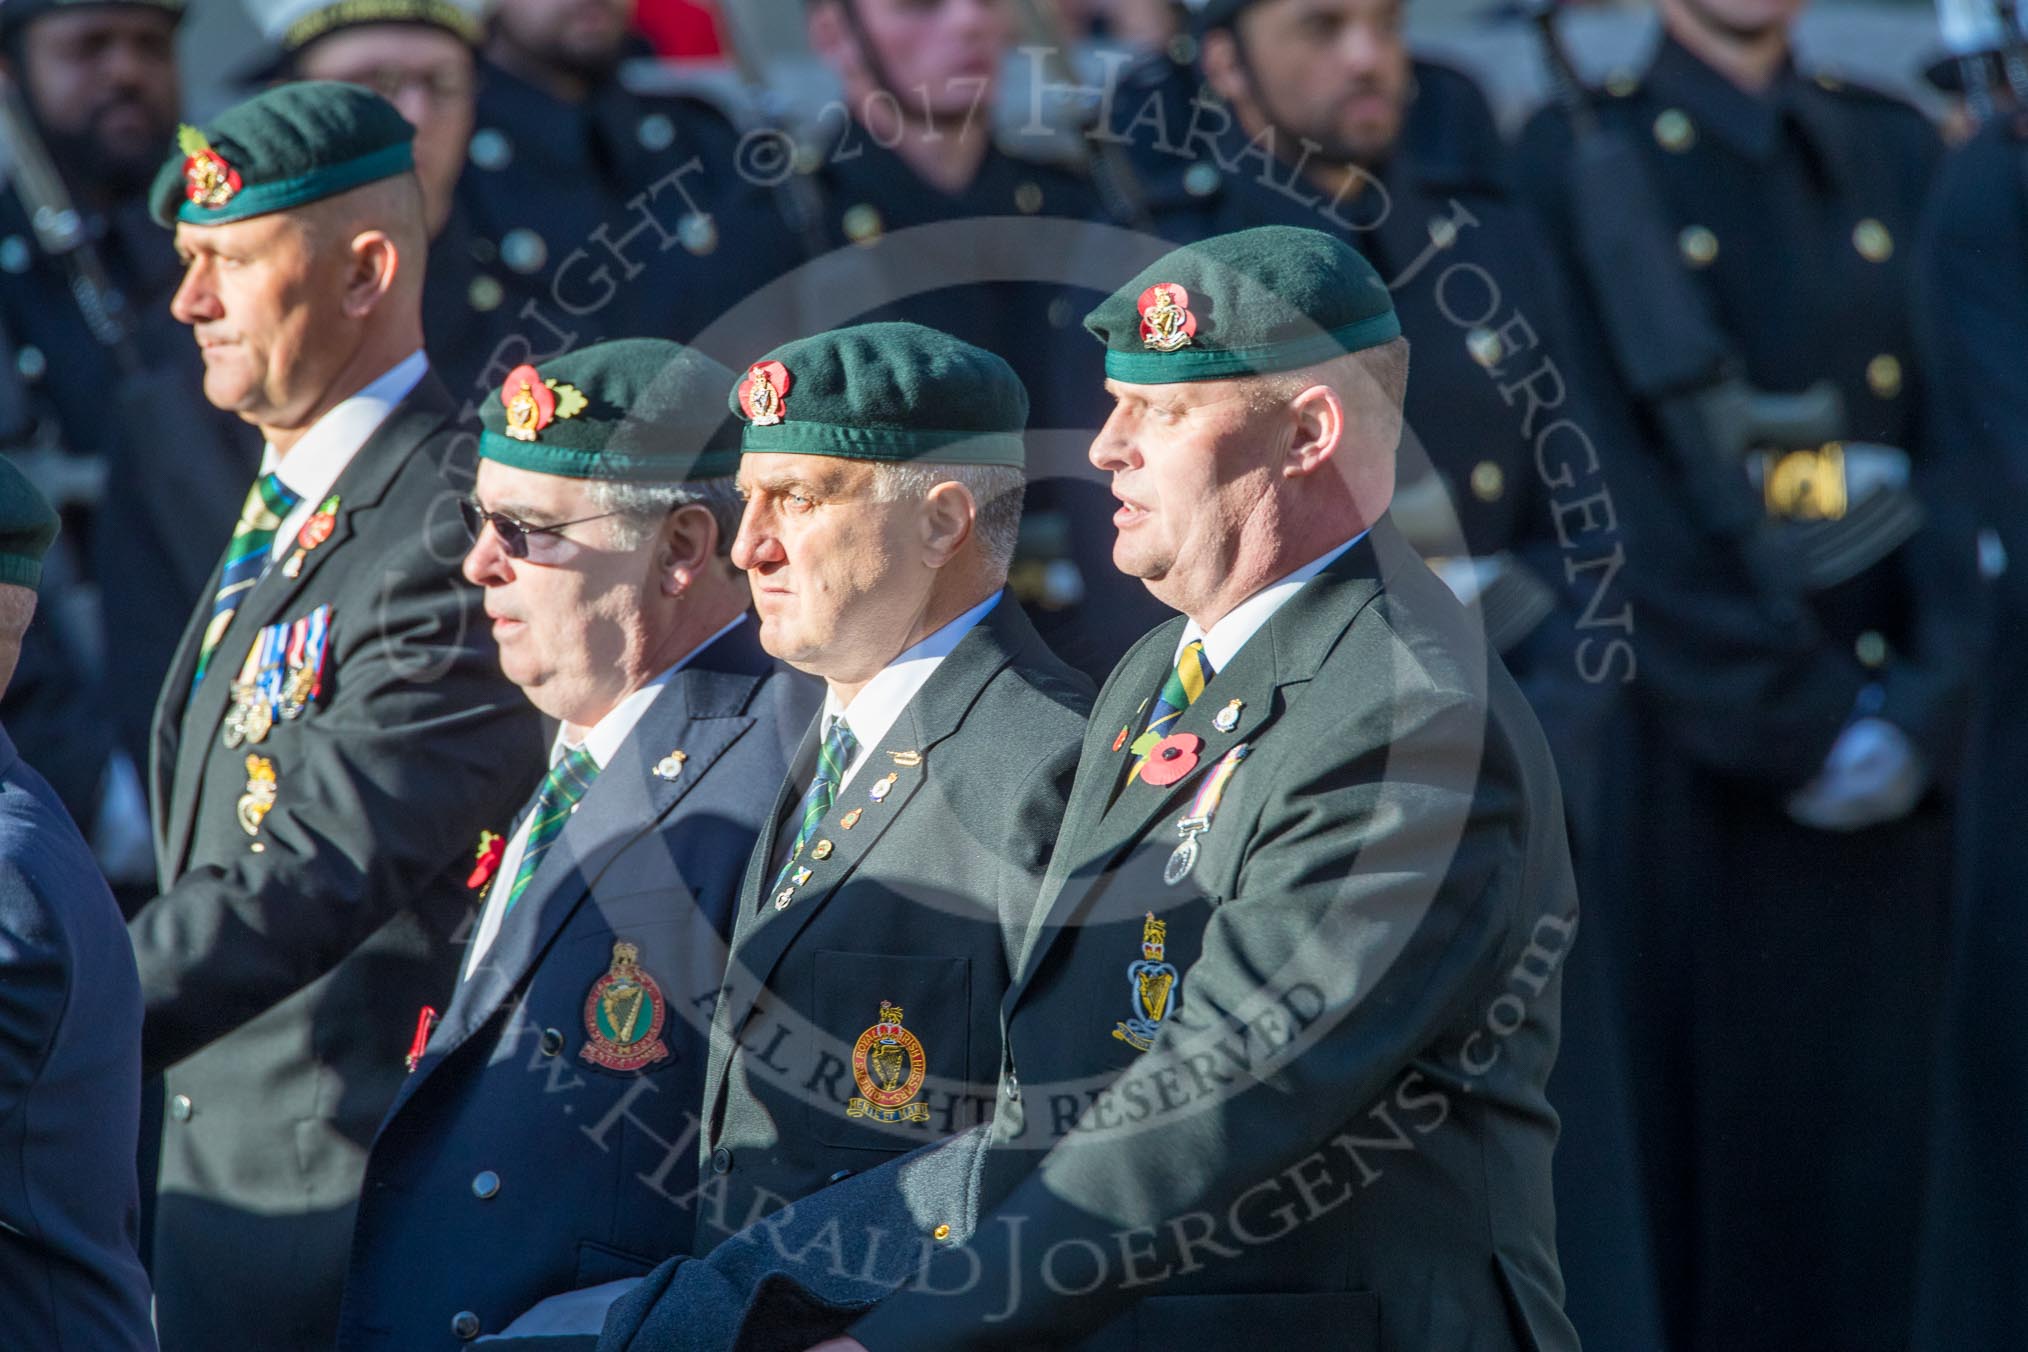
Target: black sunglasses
(513,534)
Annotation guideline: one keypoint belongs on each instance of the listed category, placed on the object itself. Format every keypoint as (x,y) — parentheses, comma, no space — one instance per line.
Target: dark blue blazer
(70,1087)
(525,1156)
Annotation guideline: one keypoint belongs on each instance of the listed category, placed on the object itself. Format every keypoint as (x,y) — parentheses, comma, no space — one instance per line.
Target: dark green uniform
(1773,968)
(314,793)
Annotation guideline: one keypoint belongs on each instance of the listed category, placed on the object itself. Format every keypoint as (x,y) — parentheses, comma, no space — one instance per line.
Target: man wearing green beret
(1276,1046)
(70,1022)
(1311,894)
(882,469)
(334,731)
(602,518)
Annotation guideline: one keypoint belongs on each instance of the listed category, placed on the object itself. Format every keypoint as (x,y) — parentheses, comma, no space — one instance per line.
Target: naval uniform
(1771,967)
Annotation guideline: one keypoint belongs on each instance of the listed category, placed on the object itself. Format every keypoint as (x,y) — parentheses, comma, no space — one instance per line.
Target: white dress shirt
(603,741)
(314,463)
(1225,638)
(873,711)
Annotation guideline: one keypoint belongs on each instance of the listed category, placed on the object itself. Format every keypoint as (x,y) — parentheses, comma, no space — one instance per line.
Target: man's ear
(1317,430)
(948,518)
(1218,54)
(370,272)
(688,543)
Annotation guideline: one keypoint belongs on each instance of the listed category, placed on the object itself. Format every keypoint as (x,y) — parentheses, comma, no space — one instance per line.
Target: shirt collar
(879,703)
(316,461)
(611,732)
(1225,638)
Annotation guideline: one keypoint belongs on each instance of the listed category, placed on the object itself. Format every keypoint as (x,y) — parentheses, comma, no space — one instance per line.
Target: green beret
(284,147)
(16,15)
(27,525)
(1275,298)
(889,392)
(641,410)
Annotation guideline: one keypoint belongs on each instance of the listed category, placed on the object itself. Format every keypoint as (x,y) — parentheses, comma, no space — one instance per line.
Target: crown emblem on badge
(1154,939)
(1152,983)
(1166,321)
(762,393)
(534,403)
(207,179)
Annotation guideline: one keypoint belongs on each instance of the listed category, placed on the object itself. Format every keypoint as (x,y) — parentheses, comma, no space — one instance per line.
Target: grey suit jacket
(283,966)
(919,882)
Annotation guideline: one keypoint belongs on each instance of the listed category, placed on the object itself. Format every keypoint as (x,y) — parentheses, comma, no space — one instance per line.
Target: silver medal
(1181,860)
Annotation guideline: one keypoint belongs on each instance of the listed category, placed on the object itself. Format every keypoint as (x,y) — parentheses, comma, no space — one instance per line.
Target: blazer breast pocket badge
(623,1015)
(889,1066)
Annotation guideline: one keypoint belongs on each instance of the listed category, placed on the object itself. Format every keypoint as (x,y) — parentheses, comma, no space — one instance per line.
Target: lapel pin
(821,851)
(1228,718)
(851,819)
(801,876)
(784,897)
(315,532)
(883,788)
(670,765)
(906,759)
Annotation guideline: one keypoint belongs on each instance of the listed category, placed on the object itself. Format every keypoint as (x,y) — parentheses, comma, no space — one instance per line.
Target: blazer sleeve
(34,986)
(421,745)
(1387,871)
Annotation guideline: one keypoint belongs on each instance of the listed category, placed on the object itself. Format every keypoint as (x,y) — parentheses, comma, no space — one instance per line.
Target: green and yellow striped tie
(246,558)
(1179,692)
(561,789)
(840,746)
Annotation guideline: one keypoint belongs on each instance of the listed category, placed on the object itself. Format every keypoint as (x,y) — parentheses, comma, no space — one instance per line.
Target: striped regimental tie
(1179,692)
(840,746)
(561,789)
(245,558)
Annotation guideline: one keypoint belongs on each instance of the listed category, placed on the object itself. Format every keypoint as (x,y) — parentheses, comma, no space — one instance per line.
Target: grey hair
(641,508)
(996,493)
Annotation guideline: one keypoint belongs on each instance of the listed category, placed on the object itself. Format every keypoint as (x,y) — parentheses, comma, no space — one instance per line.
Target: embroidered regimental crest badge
(888,1066)
(623,1014)
(1152,983)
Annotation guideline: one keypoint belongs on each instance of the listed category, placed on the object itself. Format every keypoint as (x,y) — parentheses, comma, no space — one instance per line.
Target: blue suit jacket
(70,1087)
(528,1154)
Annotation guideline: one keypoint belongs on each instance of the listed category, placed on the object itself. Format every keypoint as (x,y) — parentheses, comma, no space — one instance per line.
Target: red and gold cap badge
(1166,321)
(534,403)
(207,179)
(762,393)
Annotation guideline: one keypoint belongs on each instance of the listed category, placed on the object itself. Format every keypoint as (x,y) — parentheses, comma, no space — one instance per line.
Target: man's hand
(1872,775)
(839,1345)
